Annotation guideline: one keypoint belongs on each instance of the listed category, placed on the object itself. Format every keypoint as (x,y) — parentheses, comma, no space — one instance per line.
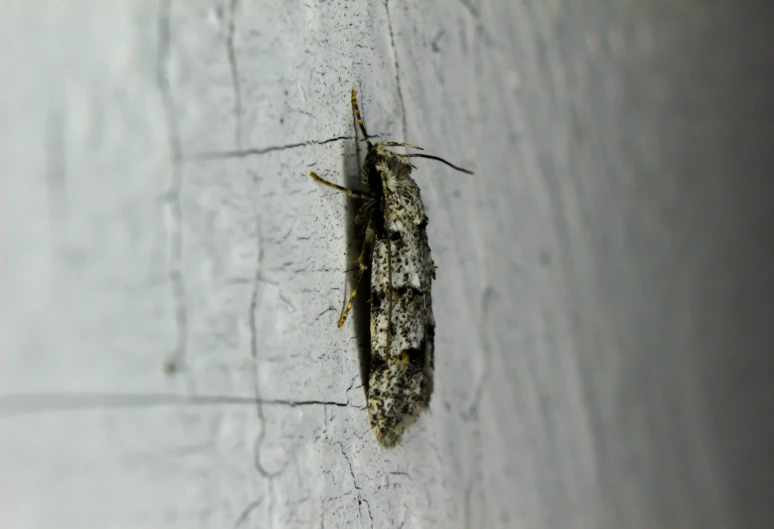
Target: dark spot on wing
(377,299)
(416,357)
(407,289)
(377,363)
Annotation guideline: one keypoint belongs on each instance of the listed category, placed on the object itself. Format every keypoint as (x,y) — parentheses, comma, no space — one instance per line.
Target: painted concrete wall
(604,284)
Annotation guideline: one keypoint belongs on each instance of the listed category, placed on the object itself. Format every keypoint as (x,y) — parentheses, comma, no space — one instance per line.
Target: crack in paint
(232,63)
(244,153)
(175,361)
(20,404)
(360,498)
(397,71)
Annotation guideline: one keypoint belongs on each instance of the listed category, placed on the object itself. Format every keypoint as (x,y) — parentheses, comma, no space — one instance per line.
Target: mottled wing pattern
(402,335)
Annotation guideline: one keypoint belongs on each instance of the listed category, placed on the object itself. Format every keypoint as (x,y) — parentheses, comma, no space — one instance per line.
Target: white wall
(156,199)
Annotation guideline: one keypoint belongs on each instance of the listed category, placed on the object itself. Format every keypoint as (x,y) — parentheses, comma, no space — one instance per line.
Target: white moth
(395,246)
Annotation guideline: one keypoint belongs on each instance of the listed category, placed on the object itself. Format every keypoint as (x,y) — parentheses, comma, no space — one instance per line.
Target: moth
(395,247)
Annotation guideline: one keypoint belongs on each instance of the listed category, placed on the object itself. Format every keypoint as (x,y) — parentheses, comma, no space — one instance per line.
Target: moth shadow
(354,154)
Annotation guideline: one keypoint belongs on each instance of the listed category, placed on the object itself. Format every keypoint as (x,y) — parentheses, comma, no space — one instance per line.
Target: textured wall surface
(605,280)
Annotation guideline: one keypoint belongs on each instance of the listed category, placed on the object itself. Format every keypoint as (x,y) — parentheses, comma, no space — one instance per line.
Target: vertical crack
(360,498)
(397,71)
(176,360)
(251,317)
(232,63)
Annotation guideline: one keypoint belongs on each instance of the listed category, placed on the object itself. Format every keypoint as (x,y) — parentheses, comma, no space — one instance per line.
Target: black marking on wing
(417,357)
(377,298)
(378,364)
(402,290)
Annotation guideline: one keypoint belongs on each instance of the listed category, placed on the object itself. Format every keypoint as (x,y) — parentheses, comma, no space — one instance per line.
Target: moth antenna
(438,159)
(402,144)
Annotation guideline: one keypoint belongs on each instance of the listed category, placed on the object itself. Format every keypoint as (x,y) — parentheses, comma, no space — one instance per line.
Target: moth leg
(351,192)
(365,212)
(362,261)
(359,118)
(363,217)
